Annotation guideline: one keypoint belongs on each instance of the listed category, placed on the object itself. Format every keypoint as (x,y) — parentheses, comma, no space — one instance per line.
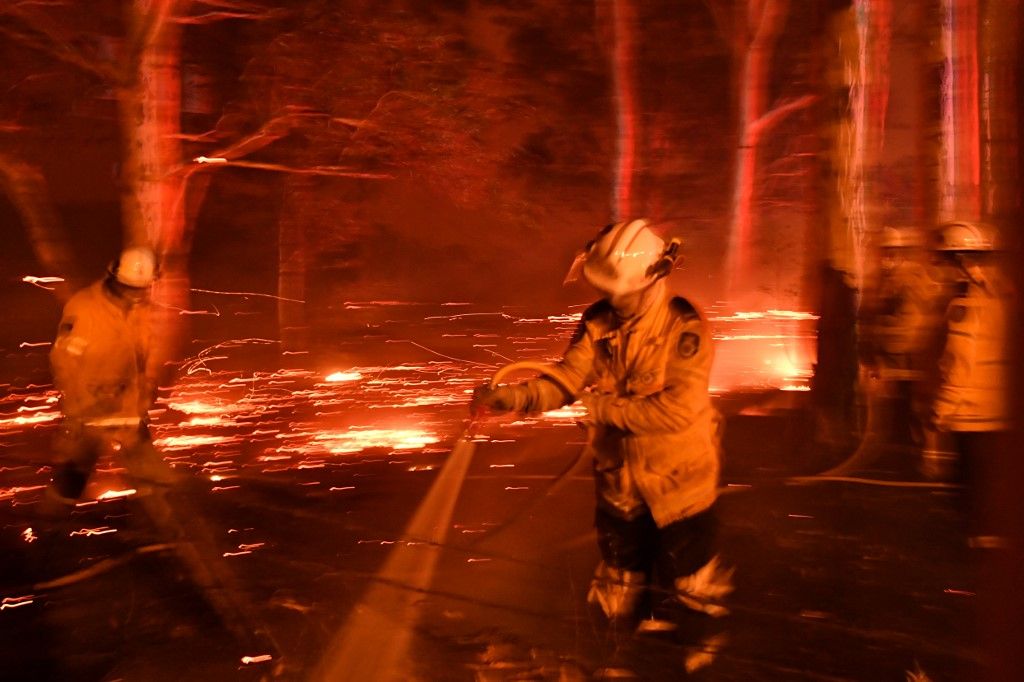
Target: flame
(338,377)
(89,532)
(187,442)
(25,420)
(15,602)
(115,494)
(358,439)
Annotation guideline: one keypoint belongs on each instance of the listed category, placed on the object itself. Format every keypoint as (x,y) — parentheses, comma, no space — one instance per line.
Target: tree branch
(229,9)
(47,39)
(337,171)
(772,118)
(271,131)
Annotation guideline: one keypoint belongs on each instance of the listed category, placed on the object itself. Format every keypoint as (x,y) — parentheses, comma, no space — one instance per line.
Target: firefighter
(972,401)
(102,367)
(639,361)
(107,377)
(905,327)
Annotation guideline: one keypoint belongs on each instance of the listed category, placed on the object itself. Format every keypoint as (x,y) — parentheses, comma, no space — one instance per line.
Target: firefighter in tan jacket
(102,367)
(639,361)
(972,404)
(904,334)
(107,376)
(908,315)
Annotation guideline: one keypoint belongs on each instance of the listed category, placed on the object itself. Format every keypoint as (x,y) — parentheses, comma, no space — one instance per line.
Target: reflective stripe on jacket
(100,355)
(654,434)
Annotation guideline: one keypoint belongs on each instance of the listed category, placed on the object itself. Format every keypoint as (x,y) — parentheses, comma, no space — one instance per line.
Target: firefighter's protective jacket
(908,312)
(653,432)
(99,358)
(973,395)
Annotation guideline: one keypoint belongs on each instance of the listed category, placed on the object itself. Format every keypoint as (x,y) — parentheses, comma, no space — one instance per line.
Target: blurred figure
(905,330)
(107,376)
(101,366)
(972,402)
(640,361)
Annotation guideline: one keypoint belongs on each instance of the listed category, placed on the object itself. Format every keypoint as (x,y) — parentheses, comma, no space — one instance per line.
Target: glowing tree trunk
(1000,109)
(763,23)
(859,79)
(153,206)
(960,155)
(622,58)
(861,136)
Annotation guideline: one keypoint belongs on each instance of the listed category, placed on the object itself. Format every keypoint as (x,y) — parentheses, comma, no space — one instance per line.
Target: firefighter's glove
(599,406)
(500,399)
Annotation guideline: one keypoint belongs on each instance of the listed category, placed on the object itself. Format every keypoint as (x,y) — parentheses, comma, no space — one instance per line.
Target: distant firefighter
(107,377)
(904,326)
(908,313)
(972,402)
(101,366)
(639,361)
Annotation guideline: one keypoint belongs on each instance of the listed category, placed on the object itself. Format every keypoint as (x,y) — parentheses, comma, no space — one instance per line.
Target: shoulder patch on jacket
(689,344)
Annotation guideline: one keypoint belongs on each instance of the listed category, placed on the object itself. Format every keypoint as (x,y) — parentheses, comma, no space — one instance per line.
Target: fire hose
(563,476)
(373,642)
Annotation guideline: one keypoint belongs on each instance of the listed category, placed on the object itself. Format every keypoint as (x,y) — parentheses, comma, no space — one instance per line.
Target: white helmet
(627,257)
(136,267)
(964,236)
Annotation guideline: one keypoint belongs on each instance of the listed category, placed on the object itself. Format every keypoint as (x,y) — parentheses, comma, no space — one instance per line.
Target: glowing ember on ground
(409,396)
(9,422)
(6,493)
(337,377)
(115,494)
(358,439)
(15,602)
(89,532)
(187,442)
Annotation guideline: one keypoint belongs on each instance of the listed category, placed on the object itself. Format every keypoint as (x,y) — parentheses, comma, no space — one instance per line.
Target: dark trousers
(169,502)
(78,447)
(978,469)
(679,549)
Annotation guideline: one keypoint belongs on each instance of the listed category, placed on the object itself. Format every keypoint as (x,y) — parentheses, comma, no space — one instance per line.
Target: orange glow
(358,439)
(770,348)
(7,422)
(15,602)
(42,281)
(569,413)
(186,442)
(337,377)
(115,494)
(6,493)
(89,532)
